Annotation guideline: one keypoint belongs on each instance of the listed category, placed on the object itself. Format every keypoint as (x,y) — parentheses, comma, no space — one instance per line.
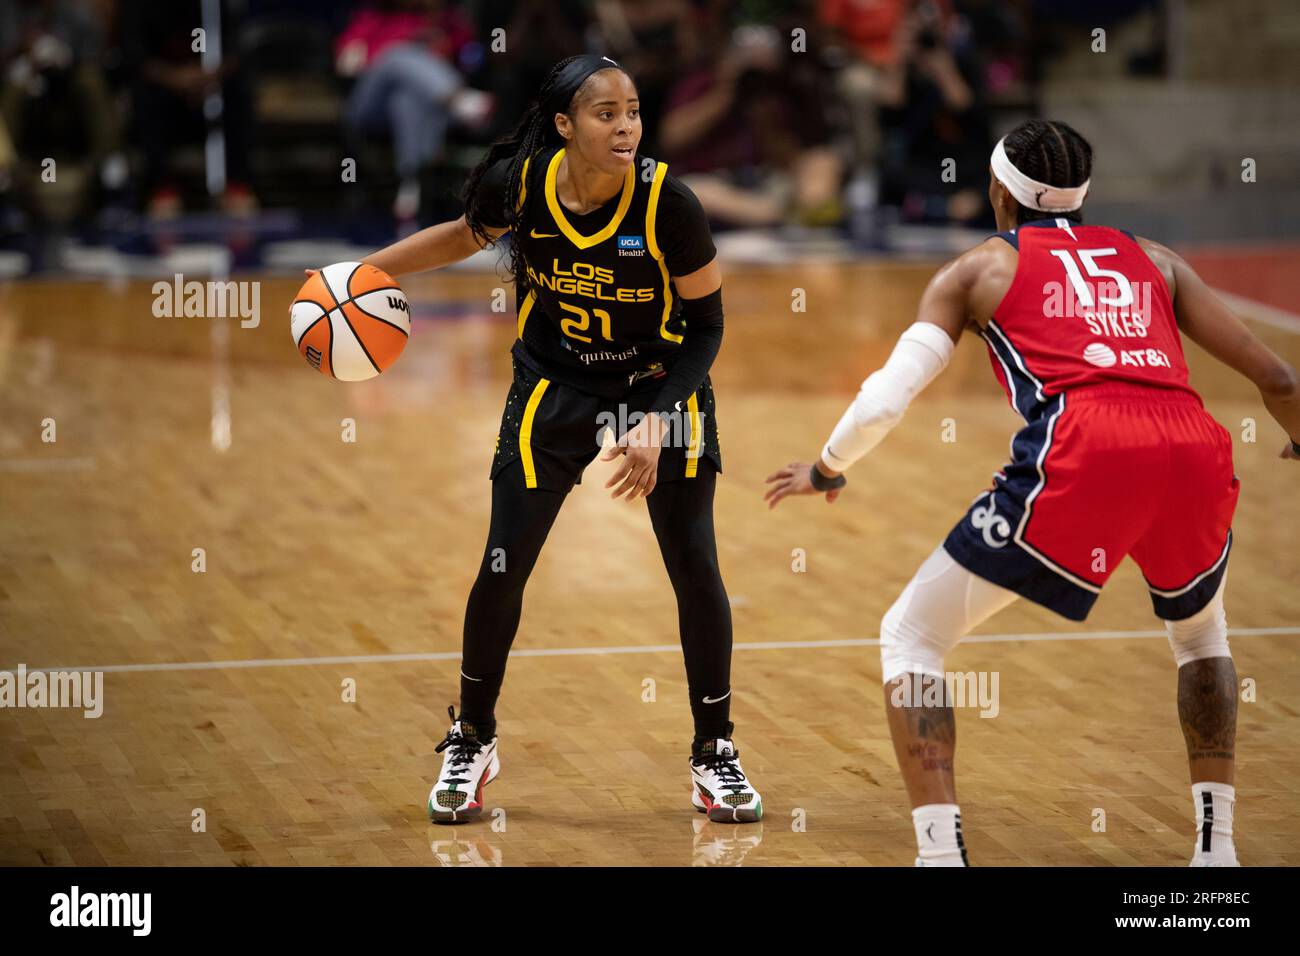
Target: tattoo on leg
(931,723)
(1207,708)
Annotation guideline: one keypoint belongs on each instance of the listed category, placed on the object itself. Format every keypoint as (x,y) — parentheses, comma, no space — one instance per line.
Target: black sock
(702,745)
(478,699)
(712,719)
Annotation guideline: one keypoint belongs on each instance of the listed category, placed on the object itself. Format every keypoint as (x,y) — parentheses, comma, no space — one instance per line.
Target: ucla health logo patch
(631,246)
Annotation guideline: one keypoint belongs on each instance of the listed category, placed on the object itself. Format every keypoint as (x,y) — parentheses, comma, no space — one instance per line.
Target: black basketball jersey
(600,307)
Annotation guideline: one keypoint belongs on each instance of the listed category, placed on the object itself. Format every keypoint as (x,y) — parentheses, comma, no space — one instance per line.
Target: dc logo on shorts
(995,528)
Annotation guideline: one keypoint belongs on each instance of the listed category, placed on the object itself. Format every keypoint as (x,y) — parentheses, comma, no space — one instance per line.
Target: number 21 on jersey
(572,327)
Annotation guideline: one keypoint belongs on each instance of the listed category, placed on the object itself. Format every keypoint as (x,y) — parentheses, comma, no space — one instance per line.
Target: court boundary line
(251,663)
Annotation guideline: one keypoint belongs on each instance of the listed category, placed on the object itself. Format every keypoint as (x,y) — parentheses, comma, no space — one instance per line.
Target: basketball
(350,321)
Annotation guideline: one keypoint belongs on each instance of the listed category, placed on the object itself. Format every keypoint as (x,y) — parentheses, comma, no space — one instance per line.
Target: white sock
(1213,803)
(938,835)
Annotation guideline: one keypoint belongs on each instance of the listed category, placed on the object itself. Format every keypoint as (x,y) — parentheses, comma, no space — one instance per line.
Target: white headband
(1030,193)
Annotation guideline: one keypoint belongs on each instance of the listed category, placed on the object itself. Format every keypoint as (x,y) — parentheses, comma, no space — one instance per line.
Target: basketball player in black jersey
(619,319)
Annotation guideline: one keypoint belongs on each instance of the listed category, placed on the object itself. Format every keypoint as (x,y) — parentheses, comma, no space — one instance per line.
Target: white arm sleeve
(922,353)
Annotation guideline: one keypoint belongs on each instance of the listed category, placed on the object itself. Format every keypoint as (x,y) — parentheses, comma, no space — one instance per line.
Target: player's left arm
(701,295)
(686,243)
(922,352)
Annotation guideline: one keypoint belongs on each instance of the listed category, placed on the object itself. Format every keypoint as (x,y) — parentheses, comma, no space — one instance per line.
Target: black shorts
(556,430)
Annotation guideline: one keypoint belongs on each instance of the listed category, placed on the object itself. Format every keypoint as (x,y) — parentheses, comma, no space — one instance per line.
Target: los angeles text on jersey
(589,281)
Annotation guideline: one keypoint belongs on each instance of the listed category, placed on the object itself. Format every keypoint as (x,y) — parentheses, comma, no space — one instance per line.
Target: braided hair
(1051,152)
(559,93)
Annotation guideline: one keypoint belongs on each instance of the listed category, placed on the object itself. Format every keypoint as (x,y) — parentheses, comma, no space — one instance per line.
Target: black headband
(571,78)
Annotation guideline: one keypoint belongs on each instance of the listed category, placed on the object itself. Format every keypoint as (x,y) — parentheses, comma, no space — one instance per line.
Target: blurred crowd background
(828,117)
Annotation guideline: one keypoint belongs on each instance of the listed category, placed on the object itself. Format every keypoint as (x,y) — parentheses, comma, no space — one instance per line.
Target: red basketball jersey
(1086,306)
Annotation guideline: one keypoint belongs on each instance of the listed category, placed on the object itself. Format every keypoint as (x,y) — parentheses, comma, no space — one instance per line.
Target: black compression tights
(681,513)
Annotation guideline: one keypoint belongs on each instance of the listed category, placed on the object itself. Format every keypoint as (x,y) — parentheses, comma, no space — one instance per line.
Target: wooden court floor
(332,564)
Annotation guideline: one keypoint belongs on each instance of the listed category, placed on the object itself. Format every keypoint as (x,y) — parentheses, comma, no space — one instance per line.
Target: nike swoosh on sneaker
(715,700)
(543,235)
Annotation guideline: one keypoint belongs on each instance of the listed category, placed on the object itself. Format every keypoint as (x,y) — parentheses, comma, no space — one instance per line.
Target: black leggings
(681,513)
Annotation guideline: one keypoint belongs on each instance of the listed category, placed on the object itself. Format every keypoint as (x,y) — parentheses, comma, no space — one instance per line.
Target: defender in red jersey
(1117,457)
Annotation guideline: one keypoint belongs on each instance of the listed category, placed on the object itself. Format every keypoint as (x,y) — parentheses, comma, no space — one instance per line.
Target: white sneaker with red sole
(719,786)
(468,765)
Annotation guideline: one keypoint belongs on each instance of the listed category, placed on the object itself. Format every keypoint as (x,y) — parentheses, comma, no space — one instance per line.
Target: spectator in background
(998,30)
(866,32)
(535,34)
(55,104)
(8,157)
(402,53)
(747,133)
(936,131)
(650,41)
(168,92)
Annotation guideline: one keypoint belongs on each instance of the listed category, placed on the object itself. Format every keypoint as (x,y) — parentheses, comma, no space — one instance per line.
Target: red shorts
(1107,471)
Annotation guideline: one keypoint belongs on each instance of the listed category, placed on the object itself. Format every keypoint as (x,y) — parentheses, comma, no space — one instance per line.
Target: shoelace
(727,769)
(463,749)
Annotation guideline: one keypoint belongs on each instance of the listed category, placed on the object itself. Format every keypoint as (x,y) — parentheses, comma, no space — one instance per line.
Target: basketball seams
(323,313)
(331,330)
(365,351)
(386,288)
(372,315)
(330,289)
(315,322)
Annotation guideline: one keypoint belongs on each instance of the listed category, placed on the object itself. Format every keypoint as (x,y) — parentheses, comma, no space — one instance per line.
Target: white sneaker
(468,766)
(719,787)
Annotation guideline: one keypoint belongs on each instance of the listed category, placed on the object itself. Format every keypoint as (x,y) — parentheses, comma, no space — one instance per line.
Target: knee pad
(1203,635)
(906,645)
(937,609)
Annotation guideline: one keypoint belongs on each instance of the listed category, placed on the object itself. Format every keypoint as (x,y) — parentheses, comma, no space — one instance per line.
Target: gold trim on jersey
(693,446)
(523,186)
(525,309)
(557,210)
(526,432)
(656,253)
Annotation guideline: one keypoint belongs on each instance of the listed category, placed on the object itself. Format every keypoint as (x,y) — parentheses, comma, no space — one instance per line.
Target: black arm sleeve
(489,200)
(682,231)
(694,357)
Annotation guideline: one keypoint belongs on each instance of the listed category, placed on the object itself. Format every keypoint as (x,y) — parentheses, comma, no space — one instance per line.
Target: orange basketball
(350,321)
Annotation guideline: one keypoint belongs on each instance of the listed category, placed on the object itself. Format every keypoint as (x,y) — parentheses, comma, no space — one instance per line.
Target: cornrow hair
(1051,152)
(535,131)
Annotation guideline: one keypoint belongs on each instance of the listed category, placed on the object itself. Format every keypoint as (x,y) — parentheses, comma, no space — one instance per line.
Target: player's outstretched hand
(793,480)
(637,473)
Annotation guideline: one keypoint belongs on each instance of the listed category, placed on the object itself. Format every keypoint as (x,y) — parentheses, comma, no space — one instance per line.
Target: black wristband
(822,483)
